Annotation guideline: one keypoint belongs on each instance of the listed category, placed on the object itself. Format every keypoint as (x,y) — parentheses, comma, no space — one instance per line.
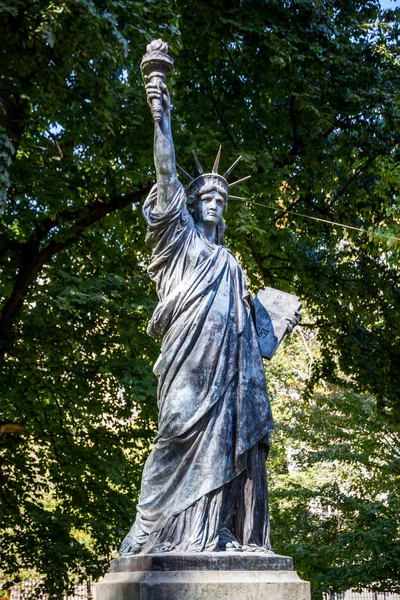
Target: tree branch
(34,262)
(260,262)
(344,187)
(209,92)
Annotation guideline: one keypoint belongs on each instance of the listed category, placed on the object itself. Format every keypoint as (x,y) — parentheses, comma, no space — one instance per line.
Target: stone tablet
(273,312)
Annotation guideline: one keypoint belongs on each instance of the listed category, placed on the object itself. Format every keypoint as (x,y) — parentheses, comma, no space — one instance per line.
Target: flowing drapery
(212,397)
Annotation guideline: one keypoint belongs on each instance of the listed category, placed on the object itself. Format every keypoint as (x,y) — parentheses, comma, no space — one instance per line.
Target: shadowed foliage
(307,92)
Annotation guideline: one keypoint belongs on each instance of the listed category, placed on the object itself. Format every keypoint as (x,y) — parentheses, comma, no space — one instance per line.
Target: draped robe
(212,398)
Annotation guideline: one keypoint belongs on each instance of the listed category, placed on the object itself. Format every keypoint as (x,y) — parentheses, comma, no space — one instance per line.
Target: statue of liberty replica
(204,485)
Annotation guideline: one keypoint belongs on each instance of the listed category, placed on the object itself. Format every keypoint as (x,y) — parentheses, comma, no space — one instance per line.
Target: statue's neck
(210,233)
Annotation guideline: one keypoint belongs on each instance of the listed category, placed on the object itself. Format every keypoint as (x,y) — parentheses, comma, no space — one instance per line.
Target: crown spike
(236,198)
(216,163)
(198,165)
(231,185)
(229,171)
(184,172)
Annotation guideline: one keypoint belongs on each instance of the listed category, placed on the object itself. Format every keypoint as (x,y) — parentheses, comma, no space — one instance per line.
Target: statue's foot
(233,546)
(163,547)
(129,546)
(255,548)
(227,542)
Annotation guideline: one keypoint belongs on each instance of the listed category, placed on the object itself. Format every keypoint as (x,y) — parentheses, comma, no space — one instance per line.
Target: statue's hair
(220,232)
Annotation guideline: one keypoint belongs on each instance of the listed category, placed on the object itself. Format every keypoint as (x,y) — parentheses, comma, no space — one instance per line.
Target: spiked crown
(209,181)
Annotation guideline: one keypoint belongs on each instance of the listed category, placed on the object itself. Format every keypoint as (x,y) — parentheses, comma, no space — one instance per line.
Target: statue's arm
(164,152)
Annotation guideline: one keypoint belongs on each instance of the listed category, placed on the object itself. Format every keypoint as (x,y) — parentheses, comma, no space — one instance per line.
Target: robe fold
(212,397)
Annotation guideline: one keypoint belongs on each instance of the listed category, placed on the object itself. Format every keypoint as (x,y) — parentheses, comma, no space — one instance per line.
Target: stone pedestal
(205,576)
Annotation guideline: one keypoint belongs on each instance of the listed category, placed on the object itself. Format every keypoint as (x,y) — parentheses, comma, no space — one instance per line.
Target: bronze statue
(204,485)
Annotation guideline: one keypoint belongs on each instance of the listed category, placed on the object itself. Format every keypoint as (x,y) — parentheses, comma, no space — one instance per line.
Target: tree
(307,92)
(334,479)
(320,137)
(75,299)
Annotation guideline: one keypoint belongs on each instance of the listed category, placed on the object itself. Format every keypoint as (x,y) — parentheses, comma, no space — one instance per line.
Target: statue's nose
(214,203)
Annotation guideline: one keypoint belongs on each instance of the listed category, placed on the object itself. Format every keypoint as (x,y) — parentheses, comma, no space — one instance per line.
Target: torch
(155,65)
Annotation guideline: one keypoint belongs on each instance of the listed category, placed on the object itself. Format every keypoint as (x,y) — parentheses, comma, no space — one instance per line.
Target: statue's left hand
(295,320)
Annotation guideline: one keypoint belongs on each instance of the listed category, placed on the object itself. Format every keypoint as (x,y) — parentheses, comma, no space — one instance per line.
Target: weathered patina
(204,485)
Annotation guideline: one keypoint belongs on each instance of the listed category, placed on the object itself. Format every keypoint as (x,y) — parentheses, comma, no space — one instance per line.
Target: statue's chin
(207,222)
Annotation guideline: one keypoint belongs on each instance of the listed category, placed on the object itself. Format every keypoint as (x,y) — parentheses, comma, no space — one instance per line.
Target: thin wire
(297,214)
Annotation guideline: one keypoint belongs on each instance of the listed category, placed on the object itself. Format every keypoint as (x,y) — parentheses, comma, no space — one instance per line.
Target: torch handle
(157,103)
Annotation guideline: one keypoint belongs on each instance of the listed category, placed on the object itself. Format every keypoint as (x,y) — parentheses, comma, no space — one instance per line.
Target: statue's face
(209,208)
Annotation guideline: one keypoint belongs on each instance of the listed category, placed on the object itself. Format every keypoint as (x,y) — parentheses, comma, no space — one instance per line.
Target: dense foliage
(307,91)
(334,478)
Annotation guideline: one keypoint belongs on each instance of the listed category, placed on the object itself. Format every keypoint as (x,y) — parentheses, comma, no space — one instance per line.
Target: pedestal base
(208,576)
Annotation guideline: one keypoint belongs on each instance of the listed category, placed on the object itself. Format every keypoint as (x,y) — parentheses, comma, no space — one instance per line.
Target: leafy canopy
(307,92)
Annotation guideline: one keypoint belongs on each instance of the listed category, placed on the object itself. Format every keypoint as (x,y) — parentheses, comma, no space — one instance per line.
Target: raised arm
(164,152)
